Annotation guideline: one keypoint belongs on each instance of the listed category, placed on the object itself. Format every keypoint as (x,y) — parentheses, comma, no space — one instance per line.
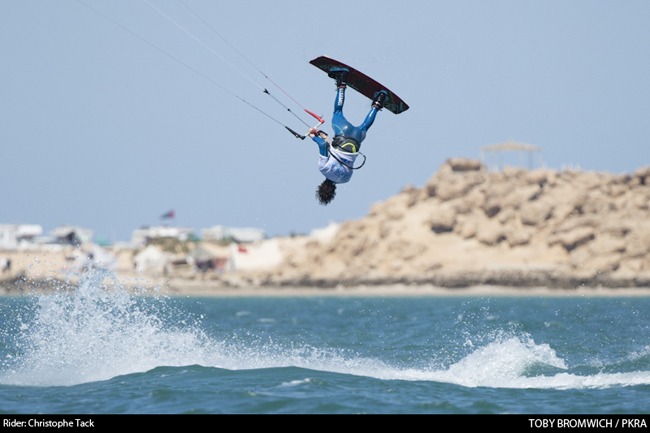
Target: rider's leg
(377,104)
(340,124)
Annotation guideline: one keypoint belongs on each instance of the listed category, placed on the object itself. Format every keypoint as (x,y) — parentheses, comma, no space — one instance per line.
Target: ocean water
(109,351)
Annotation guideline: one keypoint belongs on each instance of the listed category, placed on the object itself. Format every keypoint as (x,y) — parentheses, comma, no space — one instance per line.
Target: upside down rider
(336,159)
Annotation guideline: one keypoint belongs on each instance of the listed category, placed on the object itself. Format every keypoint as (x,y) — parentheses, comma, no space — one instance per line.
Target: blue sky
(100,129)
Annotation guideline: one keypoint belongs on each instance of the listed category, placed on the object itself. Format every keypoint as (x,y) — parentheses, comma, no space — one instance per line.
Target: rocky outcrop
(468,226)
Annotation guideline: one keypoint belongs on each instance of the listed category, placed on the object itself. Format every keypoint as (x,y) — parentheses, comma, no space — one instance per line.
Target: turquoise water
(97,351)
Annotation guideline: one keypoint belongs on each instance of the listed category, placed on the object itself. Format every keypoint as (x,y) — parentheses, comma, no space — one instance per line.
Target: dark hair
(326,192)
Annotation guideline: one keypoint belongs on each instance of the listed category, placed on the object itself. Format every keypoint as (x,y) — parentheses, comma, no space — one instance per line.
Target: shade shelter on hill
(522,149)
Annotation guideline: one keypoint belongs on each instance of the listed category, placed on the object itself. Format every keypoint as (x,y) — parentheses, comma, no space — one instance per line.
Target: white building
(73,235)
(144,235)
(255,256)
(242,234)
(11,235)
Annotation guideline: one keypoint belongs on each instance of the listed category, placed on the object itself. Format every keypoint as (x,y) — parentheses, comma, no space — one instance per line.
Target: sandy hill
(468,226)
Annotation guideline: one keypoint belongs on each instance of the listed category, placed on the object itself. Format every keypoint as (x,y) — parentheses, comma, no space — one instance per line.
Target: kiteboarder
(336,159)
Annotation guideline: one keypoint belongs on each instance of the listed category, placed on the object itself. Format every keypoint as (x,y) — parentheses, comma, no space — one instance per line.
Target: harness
(348,145)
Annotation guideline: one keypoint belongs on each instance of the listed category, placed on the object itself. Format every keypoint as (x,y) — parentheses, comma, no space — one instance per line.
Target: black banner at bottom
(541,423)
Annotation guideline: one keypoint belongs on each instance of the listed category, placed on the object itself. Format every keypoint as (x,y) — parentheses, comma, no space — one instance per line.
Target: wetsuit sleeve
(322,145)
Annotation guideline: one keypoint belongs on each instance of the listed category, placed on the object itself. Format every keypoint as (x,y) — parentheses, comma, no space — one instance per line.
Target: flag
(169,214)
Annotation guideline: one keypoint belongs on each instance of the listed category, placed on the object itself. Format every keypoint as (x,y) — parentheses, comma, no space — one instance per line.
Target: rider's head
(326,192)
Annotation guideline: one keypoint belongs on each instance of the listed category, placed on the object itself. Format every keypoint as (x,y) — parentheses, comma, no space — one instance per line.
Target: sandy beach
(205,290)
(144,285)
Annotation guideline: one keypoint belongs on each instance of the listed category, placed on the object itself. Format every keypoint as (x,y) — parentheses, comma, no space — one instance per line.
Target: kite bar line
(202,43)
(201,74)
(230,64)
(253,65)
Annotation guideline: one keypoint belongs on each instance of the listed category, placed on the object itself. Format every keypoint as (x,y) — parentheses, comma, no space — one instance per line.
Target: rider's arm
(323,144)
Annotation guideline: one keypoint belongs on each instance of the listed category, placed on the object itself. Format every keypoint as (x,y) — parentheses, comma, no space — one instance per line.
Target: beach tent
(96,257)
(151,259)
(103,259)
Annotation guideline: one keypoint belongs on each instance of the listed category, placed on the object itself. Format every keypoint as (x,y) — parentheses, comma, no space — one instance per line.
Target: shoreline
(174,287)
(397,291)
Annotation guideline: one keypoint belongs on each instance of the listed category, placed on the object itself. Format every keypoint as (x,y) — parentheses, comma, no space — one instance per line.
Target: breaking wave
(94,333)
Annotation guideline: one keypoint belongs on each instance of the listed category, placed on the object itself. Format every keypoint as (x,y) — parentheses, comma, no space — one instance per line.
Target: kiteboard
(362,83)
